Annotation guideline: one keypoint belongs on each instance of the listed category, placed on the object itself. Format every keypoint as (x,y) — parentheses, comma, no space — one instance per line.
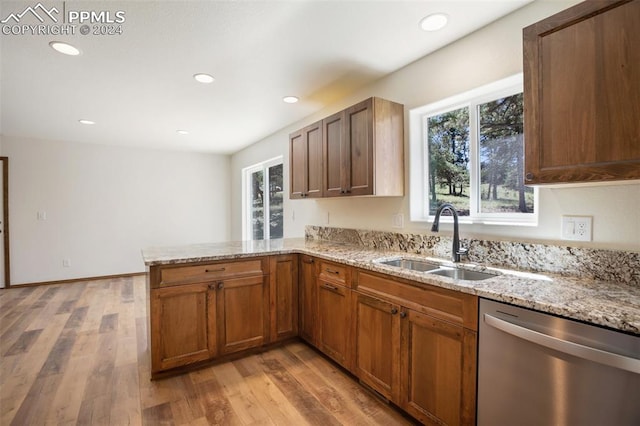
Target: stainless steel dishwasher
(538,369)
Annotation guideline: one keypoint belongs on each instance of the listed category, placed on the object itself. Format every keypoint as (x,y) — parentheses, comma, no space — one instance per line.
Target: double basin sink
(433,268)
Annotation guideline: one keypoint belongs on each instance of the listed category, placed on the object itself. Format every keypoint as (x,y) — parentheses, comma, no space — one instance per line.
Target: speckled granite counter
(601,302)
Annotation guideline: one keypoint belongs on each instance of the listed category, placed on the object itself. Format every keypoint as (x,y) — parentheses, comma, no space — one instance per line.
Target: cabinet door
(438,370)
(308,300)
(182,323)
(359,149)
(334,319)
(313,135)
(284,296)
(335,155)
(582,94)
(305,153)
(377,340)
(297,165)
(243,313)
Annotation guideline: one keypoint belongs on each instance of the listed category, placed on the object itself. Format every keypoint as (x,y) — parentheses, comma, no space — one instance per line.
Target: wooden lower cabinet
(425,365)
(243,312)
(377,344)
(438,370)
(183,329)
(416,346)
(204,310)
(283,290)
(334,322)
(308,299)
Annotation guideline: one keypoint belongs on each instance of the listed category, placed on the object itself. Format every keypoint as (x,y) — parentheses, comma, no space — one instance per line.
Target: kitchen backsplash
(607,265)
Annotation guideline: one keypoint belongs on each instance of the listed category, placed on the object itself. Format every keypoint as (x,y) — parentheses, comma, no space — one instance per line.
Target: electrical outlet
(576,228)
(66,263)
(397,221)
(42,215)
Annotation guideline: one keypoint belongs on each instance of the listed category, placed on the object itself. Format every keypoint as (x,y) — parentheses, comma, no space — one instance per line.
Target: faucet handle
(463,251)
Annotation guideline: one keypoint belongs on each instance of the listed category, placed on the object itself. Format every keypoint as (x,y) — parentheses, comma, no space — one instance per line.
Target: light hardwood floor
(77,354)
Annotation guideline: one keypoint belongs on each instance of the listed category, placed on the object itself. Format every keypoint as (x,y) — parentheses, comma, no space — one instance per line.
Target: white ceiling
(138,86)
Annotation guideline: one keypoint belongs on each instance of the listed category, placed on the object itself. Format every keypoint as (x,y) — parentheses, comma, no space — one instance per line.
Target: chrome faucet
(456,250)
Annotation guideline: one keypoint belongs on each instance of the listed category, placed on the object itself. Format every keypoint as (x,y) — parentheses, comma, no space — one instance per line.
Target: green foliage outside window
(500,146)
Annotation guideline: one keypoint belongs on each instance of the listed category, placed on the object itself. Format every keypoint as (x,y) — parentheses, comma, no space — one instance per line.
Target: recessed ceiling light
(65,48)
(88,122)
(290,99)
(434,22)
(203,78)
(182,132)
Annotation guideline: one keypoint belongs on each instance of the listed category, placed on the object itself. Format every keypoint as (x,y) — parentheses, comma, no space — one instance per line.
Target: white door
(1,224)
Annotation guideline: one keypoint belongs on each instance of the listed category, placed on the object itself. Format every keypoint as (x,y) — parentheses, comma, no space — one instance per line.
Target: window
(263,201)
(468,150)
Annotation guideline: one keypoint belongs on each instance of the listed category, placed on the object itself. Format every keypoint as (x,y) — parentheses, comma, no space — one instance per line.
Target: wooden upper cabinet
(357,151)
(305,156)
(334,154)
(582,94)
(364,150)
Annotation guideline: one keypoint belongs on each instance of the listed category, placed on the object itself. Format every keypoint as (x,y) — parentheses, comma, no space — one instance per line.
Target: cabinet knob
(403,314)
(220,285)
(212,286)
(394,311)
(528,176)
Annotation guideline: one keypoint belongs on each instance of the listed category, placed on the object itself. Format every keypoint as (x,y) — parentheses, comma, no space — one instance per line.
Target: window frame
(247,225)
(419,155)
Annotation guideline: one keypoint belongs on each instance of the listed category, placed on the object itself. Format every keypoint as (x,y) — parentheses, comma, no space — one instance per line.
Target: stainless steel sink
(462,274)
(436,269)
(411,264)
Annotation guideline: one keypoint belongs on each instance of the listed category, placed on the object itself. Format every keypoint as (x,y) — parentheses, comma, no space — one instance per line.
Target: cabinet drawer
(452,306)
(335,273)
(209,272)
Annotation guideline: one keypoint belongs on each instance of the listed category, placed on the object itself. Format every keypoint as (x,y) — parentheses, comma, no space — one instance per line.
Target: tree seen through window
(500,158)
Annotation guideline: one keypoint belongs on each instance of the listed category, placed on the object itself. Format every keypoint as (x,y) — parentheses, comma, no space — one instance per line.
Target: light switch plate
(397,221)
(577,228)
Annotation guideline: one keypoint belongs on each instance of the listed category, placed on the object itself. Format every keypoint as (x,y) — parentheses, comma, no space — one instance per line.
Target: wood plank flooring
(77,354)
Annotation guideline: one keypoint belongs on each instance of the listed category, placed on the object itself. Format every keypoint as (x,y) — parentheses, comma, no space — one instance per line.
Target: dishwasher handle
(581,351)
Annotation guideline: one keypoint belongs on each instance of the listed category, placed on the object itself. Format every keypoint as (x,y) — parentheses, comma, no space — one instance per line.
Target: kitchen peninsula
(601,302)
(212,301)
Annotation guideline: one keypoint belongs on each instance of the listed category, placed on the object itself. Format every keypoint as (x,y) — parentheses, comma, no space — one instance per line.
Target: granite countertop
(598,302)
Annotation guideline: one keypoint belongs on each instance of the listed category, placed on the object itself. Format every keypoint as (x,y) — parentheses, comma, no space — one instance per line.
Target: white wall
(489,54)
(104,204)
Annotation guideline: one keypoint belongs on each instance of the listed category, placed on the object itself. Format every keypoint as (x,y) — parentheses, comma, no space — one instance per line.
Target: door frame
(5,223)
